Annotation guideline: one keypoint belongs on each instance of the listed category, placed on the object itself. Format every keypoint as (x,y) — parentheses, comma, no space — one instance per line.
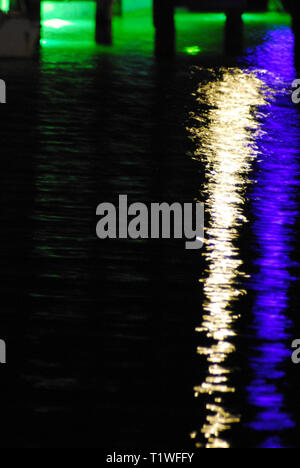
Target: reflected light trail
(275,209)
(224,133)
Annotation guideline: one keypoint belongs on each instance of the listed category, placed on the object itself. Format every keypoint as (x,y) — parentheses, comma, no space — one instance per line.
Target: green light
(48,7)
(4,5)
(268,17)
(72,10)
(70,26)
(56,23)
(192,50)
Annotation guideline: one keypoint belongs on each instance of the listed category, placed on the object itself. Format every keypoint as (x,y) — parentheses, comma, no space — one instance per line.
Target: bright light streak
(57,23)
(225,144)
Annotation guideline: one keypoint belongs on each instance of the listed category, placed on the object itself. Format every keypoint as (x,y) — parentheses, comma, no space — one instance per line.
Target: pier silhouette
(164,20)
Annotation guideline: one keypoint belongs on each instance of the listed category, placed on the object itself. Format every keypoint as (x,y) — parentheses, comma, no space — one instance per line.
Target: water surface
(142,344)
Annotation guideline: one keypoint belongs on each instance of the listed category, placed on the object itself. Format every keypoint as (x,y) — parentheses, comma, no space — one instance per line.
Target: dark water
(132,345)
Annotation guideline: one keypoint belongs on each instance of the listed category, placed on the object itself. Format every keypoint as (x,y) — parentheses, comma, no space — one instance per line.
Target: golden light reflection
(224,132)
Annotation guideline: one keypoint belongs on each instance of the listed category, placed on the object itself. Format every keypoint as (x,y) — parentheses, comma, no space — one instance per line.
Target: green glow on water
(202,17)
(192,50)
(69,28)
(268,17)
(73,24)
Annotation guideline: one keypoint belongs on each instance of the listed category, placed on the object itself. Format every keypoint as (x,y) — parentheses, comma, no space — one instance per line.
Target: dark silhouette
(104,22)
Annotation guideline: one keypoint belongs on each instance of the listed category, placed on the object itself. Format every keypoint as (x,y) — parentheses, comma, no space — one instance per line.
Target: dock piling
(234,31)
(164,22)
(104,22)
(34,10)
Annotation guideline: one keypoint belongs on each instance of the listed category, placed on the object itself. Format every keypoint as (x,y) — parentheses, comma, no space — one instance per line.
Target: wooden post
(34,8)
(117,7)
(34,12)
(104,22)
(234,31)
(164,22)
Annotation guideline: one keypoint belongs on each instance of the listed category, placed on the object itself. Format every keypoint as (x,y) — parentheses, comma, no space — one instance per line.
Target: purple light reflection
(275,210)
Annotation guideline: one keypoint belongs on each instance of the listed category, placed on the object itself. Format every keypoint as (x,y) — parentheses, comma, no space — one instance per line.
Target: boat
(19,35)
